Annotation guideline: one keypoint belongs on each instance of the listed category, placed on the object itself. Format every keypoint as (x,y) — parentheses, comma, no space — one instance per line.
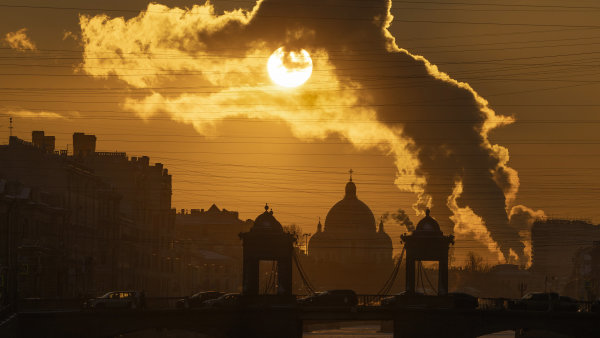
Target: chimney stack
(46,143)
(83,145)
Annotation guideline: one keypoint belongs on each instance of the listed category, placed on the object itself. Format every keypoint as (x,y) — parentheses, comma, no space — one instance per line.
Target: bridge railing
(493,303)
(49,304)
(370,300)
(52,304)
(363,300)
(509,304)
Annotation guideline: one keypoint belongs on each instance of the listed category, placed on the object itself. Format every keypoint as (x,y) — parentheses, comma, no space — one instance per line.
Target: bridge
(280,315)
(287,321)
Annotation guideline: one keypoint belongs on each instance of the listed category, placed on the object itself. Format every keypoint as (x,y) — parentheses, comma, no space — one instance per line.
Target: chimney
(83,145)
(39,140)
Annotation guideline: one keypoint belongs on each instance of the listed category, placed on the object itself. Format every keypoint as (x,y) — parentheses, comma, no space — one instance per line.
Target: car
(118,300)
(461,300)
(197,299)
(405,298)
(226,300)
(345,298)
(544,301)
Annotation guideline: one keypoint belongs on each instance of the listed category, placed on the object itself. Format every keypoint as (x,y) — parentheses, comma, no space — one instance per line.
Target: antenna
(10,126)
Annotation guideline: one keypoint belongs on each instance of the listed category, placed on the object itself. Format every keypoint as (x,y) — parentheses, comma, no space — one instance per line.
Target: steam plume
(434,126)
(19,41)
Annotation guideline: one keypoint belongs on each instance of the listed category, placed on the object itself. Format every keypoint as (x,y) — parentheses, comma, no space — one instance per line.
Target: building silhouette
(147,256)
(554,245)
(33,242)
(210,250)
(88,209)
(586,273)
(349,247)
(116,225)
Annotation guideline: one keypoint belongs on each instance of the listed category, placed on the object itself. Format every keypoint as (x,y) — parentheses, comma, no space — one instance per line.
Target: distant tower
(427,243)
(10,126)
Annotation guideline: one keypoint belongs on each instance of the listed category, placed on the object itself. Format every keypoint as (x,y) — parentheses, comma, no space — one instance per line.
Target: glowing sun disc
(294,76)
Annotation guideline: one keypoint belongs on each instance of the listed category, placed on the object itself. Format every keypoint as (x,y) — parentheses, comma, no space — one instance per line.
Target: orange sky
(534,61)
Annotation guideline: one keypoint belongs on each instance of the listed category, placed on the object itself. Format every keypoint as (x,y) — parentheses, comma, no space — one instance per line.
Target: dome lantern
(428,226)
(267,222)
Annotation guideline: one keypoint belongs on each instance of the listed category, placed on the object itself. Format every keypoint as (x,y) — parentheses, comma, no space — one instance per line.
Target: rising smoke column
(435,127)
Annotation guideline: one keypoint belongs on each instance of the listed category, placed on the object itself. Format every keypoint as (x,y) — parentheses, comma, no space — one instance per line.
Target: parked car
(544,301)
(461,300)
(118,300)
(404,298)
(226,300)
(331,298)
(197,299)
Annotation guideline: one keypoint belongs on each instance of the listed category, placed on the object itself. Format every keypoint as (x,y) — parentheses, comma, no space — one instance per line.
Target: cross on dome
(351,171)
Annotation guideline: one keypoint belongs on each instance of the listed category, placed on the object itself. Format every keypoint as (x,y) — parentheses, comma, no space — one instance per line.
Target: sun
(289,69)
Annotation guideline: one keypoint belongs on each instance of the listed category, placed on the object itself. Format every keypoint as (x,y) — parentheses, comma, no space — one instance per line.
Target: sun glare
(289,69)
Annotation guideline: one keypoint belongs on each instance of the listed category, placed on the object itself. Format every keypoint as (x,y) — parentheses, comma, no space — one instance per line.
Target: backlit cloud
(19,41)
(27,114)
(363,86)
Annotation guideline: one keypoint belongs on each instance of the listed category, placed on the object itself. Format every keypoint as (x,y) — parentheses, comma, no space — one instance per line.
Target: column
(443,276)
(410,273)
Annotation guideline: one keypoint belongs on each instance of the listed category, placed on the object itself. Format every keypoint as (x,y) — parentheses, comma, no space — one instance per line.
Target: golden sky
(485,112)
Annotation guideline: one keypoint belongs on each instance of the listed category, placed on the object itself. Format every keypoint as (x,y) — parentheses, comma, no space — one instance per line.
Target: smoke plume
(19,41)
(400,217)
(434,126)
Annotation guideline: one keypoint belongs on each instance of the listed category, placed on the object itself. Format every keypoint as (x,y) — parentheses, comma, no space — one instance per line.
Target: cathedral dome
(350,213)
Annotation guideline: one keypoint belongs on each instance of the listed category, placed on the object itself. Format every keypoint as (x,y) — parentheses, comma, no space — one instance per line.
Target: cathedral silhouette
(350,251)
